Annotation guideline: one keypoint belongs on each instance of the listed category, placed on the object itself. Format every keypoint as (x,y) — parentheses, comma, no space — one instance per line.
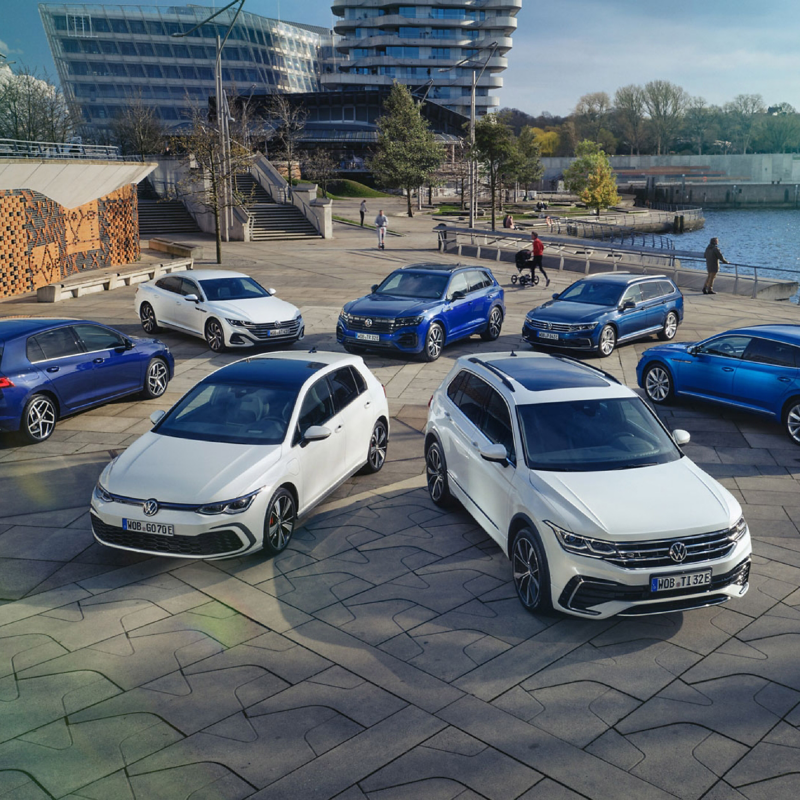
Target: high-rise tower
(420,42)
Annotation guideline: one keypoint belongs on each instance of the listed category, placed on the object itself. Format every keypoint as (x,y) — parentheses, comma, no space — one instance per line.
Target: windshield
(235,413)
(593,293)
(233,289)
(427,285)
(594,435)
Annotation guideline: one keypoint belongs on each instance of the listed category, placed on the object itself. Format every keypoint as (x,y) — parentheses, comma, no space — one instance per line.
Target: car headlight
(235,506)
(738,530)
(101,494)
(583,545)
(345,317)
(406,322)
(589,326)
(240,323)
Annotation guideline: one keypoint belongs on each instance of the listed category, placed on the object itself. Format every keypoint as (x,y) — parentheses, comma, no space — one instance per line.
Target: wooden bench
(92,282)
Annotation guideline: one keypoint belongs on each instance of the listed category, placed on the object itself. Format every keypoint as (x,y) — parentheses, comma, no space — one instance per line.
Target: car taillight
(384,390)
(5,383)
(430,401)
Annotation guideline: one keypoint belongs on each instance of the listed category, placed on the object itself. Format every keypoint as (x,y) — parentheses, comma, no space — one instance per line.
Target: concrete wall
(742,195)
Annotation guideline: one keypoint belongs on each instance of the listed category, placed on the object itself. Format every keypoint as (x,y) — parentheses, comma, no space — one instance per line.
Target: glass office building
(107,54)
(419,42)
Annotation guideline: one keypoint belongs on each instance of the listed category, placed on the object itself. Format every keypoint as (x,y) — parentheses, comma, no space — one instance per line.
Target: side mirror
(124,347)
(628,304)
(681,437)
(271,292)
(556,296)
(157,416)
(191,298)
(495,453)
(458,295)
(315,433)
(692,351)
(374,288)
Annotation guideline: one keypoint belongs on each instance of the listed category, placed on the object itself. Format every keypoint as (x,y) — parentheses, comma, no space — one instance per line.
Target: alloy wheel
(148,318)
(281,522)
(377,447)
(670,326)
(657,385)
(495,323)
(40,419)
(793,423)
(435,473)
(434,342)
(526,569)
(607,340)
(214,336)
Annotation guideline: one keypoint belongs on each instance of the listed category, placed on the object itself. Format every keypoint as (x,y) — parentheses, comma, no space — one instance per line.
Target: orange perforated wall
(42,242)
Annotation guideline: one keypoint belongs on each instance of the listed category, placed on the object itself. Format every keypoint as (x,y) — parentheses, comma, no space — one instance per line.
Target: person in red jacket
(538,252)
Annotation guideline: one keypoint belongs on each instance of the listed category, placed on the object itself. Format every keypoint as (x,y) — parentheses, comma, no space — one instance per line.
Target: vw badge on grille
(150,508)
(549,326)
(368,323)
(677,552)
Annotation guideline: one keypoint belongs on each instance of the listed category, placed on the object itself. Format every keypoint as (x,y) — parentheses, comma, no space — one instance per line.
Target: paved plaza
(384,654)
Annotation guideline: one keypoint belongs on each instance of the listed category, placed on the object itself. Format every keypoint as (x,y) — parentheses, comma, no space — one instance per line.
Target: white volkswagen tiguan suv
(584,489)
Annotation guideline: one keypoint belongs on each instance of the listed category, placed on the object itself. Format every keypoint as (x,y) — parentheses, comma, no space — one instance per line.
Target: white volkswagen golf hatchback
(230,468)
(227,309)
(583,488)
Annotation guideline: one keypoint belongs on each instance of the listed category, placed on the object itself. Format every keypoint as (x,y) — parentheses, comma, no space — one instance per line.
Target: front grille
(213,543)
(559,327)
(376,324)
(261,330)
(581,594)
(646,555)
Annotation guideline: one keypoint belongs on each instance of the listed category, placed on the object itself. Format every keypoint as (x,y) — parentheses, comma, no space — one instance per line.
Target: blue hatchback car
(601,311)
(420,308)
(50,368)
(753,369)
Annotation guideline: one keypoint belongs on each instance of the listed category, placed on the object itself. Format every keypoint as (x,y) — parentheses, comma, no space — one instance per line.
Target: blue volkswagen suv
(50,368)
(420,308)
(753,369)
(601,311)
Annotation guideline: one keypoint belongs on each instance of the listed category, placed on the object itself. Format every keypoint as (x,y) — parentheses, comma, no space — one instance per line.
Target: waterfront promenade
(384,655)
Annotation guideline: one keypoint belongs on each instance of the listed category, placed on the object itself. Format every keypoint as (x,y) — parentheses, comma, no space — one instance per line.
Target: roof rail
(500,374)
(574,360)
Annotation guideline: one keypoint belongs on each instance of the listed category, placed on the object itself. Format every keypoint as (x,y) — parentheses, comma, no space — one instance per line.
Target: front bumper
(572,340)
(405,340)
(266,334)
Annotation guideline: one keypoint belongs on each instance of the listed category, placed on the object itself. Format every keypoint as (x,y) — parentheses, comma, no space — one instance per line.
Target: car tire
(378,445)
(38,419)
(658,384)
(434,342)
(279,522)
(493,326)
(156,379)
(607,341)
(530,572)
(147,316)
(791,419)
(667,333)
(215,336)
(436,475)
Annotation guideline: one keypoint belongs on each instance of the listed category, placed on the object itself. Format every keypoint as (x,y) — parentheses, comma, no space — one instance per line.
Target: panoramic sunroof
(546,374)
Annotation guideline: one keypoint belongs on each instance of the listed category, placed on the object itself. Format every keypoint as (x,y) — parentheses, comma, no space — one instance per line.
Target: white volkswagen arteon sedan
(227,309)
(230,468)
(583,488)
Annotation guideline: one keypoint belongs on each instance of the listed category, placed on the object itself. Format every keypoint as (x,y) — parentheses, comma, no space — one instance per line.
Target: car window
(455,385)
(477,280)
(344,388)
(731,346)
(172,283)
(472,397)
(766,351)
(496,423)
(651,290)
(361,384)
(189,287)
(425,285)
(666,287)
(459,283)
(317,406)
(57,343)
(632,293)
(237,288)
(592,292)
(95,338)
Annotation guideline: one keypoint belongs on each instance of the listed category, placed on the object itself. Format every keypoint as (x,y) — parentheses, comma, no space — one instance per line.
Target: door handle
(447,414)
(368,404)
(784,379)
(338,428)
(98,361)
(727,369)
(53,369)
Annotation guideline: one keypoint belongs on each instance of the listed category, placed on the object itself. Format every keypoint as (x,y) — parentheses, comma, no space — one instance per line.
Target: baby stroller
(524,260)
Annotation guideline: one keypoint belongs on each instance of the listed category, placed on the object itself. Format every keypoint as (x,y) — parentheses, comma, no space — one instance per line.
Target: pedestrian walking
(381,223)
(538,252)
(713,257)
(363,211)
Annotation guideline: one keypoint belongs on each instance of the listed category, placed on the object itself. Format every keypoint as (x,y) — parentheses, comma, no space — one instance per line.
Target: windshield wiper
(634,466)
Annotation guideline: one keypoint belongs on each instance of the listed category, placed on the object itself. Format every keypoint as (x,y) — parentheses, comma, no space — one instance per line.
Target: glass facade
(106,54)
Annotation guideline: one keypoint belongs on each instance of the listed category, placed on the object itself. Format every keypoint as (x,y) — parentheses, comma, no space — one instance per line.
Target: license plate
(546,335)
(279,332)
(665,583)
(138,526)
(368,337)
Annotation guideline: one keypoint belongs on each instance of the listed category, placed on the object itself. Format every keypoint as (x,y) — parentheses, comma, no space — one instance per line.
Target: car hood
(671,349)
(567,311)
(173,470)
(388,306)
(663,501)
(256,309)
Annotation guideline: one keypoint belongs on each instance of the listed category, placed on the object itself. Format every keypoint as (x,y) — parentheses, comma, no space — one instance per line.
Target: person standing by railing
(713,257)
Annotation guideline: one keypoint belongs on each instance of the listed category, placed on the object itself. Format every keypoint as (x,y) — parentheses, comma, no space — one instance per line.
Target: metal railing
(14,148)
(608,232)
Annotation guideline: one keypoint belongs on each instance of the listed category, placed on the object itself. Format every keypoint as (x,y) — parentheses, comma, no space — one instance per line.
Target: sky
(715,49)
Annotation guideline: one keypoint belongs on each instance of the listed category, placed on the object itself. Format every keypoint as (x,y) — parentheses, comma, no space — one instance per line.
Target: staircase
(162,217)
(271,220)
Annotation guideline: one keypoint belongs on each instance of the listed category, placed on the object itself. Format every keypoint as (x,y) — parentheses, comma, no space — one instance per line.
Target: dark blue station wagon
(51,368)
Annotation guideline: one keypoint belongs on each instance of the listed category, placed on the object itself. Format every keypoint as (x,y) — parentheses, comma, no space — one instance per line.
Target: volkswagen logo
(677,552)
(368,323)
(150,508)
(549,326)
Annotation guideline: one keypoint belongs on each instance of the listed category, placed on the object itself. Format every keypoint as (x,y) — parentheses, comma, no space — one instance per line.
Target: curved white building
(420,41)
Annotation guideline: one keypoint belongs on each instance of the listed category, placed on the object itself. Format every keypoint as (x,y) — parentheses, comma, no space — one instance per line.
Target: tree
(530,168)
(289,123)
(746,111)
(320,166)
(665,103)
(780,130)
(32,108)
(590,177)
(138,129)
(697,121)
(407,153)
(591,114)
(548,141)
(497,151)
(629,107)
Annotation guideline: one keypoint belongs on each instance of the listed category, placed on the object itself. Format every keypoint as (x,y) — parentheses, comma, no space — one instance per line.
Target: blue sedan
(419,309)
(755,369)
(51,368)
(601,311)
